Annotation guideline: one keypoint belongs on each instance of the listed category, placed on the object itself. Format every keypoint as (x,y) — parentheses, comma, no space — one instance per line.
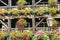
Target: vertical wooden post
(9,24)
(33,23)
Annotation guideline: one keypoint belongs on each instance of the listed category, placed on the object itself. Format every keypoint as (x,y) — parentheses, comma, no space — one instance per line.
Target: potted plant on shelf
(27,34)
(14,11)
(53,11)
(16,35)
(21,23)
(52,3)
(40,35)
(21,3)
(40,11)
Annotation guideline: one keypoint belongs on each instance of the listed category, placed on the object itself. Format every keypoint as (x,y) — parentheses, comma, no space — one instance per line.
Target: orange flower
(1,11)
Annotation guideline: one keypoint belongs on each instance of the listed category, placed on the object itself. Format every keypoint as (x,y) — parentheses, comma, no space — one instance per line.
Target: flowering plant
(21,23)
(53,10)
(40,35)
(56,36)
(3,11)
(14,11)
(28,10)
(40,10)
(21,2)
(22,12)
(52,2)
(3,34)
(27,34)
(16,34)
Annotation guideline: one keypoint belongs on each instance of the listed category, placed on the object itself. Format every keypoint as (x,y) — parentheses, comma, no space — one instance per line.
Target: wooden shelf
(27,16)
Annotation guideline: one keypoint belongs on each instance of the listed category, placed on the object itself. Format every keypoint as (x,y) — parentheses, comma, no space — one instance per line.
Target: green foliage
(35,37)
(44,37)
(52,10)
(52,2)
(14,11)
(23,22)
(3,34)
(21,12)
(41,10)
(55,22)
(28,32)
(21,2)
(16,34)
(56,38)
(19,34)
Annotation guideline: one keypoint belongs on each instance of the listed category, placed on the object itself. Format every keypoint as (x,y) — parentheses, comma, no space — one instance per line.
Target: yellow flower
(14,11)
(13,34)
(41,10)
(2,11)
(53,10)
(28,10)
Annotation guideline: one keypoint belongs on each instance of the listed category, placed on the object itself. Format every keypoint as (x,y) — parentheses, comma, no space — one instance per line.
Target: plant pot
(46,13)
(39,38)
(20,6)
(0,38)
(52,6)
(15,14)
(31,12)
(2,14)
(21,14)
(26,38)
(8,14)
(53,14)
(27,13)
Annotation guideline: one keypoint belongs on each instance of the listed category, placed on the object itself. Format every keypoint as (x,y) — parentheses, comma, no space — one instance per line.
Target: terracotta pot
(0,38)
(20,6)
(53,14)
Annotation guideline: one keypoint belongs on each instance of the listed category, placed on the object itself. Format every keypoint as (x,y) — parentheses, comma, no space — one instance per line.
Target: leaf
(35,37)
(22,2)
